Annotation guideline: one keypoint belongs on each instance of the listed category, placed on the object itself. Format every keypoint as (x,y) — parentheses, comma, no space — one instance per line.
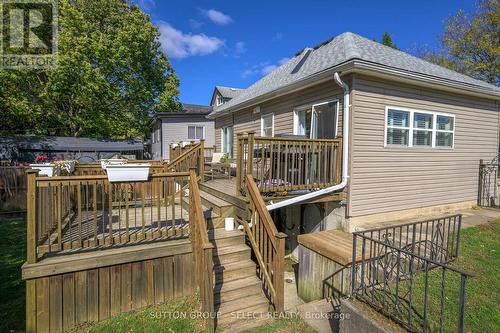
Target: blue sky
(234,43)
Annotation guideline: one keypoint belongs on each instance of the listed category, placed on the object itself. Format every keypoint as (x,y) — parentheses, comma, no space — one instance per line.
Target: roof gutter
(345,156)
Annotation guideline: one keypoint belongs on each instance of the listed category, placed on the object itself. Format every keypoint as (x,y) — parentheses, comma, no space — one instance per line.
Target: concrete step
(234,271)
(230,254)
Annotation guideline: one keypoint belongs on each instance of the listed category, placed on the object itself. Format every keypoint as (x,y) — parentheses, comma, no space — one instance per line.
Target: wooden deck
(333,244)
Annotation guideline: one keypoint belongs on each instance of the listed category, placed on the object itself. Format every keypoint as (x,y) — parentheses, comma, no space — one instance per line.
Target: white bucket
(229,223)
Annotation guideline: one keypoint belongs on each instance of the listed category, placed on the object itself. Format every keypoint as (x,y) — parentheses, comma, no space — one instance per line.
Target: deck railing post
(201,160)
(31,175)
(279,274)
(239,162)
(251,141)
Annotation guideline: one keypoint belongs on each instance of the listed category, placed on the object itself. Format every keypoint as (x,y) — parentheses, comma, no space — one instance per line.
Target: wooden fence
(267,244)
(283,164)
(12,187)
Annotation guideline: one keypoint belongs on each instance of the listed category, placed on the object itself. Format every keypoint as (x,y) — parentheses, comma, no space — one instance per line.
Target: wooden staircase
(237,288)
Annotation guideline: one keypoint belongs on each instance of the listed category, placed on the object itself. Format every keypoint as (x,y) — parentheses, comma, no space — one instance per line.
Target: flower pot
(46,169)
(112,161)
(128,172)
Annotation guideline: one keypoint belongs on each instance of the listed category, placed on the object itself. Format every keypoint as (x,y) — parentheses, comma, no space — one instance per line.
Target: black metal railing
(402,271)
(488,193)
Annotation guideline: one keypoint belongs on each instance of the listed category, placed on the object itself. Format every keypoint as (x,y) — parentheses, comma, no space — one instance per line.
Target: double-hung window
(419,129)
(196,132)
(267,125)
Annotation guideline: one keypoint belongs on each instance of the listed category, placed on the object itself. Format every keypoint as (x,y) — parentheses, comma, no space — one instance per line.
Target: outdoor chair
(219,164)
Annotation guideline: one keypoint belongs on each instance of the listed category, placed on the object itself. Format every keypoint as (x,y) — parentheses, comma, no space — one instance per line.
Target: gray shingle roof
(228,92)
(189,109)
(345,47)
(61,143)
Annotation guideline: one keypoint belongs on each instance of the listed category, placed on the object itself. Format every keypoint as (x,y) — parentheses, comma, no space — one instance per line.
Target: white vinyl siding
(385,179)
(417,128)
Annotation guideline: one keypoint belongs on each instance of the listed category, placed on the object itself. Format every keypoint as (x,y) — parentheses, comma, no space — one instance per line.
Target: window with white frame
(267,125)
(219,100)
(414,128)
(196,132)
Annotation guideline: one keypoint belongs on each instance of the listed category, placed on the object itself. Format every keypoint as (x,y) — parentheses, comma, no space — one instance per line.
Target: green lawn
(13,254)
(480,255)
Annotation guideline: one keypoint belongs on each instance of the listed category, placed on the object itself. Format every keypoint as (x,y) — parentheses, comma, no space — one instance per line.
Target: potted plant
(46,168)
(128,172)
(64,166)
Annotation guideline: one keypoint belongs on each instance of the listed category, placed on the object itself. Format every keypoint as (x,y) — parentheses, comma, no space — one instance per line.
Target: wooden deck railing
(202,250)
(285,164)
(85,212)
(175,150)
(193,157)
(267,244)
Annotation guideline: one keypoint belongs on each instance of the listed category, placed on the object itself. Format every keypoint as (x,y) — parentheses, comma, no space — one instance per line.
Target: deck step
(230,254)
(227,195)
(230,310)
(234,271)
(237,289)
(219,206)
(225,238)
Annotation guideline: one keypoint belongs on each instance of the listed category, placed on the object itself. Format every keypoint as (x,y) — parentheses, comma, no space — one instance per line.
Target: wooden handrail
(267,244)
(194,157)
(202,250)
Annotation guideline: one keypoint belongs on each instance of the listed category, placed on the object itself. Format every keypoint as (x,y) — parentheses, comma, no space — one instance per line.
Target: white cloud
(195,24)
(263,68)
(239,48)
(178,44)
(217,17)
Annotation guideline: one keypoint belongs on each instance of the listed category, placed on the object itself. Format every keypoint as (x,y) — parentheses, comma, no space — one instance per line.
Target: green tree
(387,41)
(470,44)
(110,75)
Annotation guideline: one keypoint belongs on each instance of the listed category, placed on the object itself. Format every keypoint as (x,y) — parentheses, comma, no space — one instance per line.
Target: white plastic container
(128,172)
(229,223)
(46,169)
(112,161)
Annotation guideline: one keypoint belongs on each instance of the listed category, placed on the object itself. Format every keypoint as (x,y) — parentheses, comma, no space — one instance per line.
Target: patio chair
(219,164)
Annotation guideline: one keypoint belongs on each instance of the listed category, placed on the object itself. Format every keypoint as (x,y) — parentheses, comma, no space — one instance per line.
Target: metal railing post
(353,268)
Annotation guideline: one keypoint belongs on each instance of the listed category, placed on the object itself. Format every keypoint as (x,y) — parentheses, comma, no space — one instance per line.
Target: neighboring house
(85,150)
(189,124)
(417,130)
(223,95)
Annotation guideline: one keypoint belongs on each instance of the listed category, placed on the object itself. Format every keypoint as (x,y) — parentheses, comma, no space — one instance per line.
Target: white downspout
(345,156)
